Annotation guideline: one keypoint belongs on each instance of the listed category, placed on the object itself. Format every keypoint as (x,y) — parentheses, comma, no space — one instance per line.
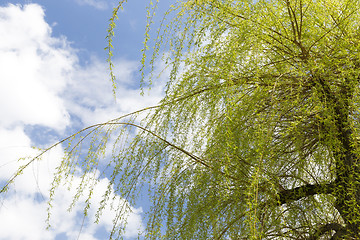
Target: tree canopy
(257,136)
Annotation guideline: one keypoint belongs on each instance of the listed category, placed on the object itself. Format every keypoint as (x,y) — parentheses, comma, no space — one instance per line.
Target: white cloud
(41,83)
(23,210)
(99,4)
(89,95)
(13,145)
(23,218)
(70,222)
(34,69)
(23,215)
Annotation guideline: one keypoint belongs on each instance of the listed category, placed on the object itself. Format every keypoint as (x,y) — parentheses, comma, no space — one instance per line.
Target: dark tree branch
(340,234)
(326,228)
(294,194)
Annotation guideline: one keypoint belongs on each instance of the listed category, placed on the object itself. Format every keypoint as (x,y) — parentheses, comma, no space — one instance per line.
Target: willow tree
(257,136)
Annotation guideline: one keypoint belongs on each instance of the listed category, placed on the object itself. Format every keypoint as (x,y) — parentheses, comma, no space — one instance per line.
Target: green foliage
(258,134)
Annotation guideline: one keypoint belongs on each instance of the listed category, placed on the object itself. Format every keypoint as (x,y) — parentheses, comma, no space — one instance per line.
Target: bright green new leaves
(267,104)
(258,134)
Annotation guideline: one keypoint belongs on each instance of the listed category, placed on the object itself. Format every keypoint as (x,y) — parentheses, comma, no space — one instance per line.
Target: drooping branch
(307,190)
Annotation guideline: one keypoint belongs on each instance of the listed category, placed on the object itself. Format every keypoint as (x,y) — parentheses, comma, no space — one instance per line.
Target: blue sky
(53,81)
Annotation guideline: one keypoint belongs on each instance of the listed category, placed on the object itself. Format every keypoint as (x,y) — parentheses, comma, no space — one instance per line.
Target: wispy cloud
(99,4)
